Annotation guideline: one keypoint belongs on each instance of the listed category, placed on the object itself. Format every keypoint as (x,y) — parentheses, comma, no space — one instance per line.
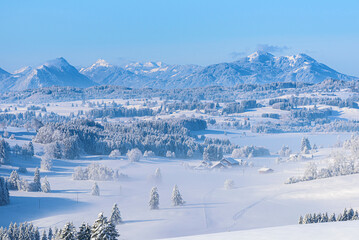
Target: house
(218,165)
(230,162)
(265,170)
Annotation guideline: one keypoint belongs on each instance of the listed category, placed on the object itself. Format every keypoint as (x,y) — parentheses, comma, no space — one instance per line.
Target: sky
(177,31)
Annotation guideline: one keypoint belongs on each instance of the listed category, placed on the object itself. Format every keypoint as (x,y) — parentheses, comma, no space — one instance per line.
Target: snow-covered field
(257,201)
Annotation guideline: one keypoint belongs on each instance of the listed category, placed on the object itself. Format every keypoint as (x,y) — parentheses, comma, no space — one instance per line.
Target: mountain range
(259,67)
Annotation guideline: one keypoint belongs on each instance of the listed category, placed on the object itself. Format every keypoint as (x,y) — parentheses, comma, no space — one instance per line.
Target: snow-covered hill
(57,72)
(259,67)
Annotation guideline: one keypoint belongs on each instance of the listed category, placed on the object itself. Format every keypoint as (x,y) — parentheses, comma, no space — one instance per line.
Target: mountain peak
(260,56)
(57,62)
(102,63)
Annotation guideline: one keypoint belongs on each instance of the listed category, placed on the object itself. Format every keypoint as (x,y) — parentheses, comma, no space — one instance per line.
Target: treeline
(294,102)
(347,215)
(170,107)
(113,112)
(310,113)
(27,118)
(340,167)
(158,136)
(103,228)
(237,107)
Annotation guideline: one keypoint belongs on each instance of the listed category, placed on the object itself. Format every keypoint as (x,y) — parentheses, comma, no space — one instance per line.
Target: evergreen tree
(37,181)
(176,197)
(95,190)
(115,215)
(84,232)
(158,175)
(4,192)
(4,152)
(44,235)
(305,145)
(50,234)
(36,234)
(300,220)
(154,199)
(68,232)
(45,186)
(103,229)
(13,180)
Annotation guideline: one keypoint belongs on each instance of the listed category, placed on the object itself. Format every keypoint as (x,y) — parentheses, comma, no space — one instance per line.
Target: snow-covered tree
(228,184)
(134,155)
(46,163)
(154,199)
(45,186)
(13,180)
(4,192)
(115,215)
(285,151)
(148,154)
(305,145)
(176,197)
(28,149)
(300,220)
(103,229)
(115,153)
(4,152)
(37,181)
(95,190)
(53,150)
(311,171)
(157,177)
(68,232)
(85,232)
(36,234)
(50,235)
(170,154)
(44,235)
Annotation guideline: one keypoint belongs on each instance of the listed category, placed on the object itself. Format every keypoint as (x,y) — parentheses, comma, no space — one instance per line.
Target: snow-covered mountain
(4,74)
(259,67)
(263,67)
(104,73)
(57,72)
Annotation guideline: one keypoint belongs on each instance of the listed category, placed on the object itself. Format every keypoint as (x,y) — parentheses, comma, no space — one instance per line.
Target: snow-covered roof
(265,170)
(232,161)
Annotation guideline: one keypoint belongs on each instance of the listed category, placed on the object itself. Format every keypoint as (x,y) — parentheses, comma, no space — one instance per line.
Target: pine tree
(103,229)
(68,232)
(44,235)
(300,220)
(37,181)
(45,186)
(97,227)
(84,232)
(50,234)
(95,190)
(115,215)
(13,180)
(154,199)
(176,197)
(36,234)
(158,175)
(4,192)
(305,145)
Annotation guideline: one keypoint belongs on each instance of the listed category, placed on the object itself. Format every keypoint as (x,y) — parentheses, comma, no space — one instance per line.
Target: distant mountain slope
(57,72)
(263,67)
(259,67)
(4,74)
(104,73)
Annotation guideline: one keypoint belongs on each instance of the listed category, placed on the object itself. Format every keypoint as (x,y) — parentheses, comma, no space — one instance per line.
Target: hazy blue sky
(177,31)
